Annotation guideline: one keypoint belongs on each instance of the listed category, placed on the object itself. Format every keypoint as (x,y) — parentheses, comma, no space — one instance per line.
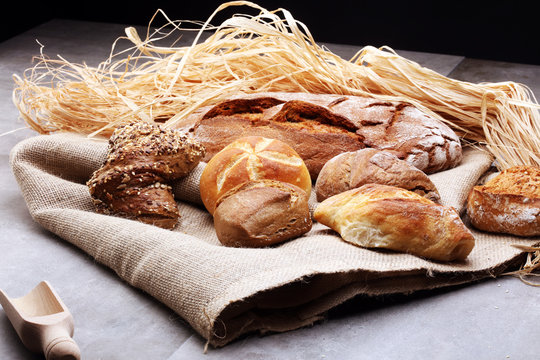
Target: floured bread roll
(134,181)
(248,159)
(508,203)
(383,216)
(261,213)
(350,170)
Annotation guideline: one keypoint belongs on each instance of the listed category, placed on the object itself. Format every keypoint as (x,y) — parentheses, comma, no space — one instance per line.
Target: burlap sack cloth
(225,292)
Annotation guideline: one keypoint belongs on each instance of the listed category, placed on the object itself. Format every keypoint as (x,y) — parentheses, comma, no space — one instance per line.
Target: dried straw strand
(532,264)
(270,51)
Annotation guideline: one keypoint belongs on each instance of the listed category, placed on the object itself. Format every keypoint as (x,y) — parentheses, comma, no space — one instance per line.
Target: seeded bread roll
(350,170)
(248,159)
(261,213)
(321,126)
(134,180)
(508,203)
(383,216)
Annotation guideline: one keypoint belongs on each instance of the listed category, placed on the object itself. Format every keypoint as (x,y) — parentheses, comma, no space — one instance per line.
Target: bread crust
(350,170)
(508,203)
(251,158)
(321,126)
(142,160)
(383,216)
(261,213)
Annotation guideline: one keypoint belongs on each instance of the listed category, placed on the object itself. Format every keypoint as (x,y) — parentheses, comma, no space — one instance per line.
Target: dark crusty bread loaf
(134,180)
(247,159)
(261,213)
(383,216)
(508,203)
(350,170)
(320,127)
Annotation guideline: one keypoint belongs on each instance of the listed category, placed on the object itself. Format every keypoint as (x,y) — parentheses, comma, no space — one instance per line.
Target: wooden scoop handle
(58,345)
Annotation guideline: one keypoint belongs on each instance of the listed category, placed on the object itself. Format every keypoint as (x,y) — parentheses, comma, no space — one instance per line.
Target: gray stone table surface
(491,319)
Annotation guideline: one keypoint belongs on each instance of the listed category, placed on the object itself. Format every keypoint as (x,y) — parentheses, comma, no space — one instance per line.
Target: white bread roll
(383,216)
(248,159)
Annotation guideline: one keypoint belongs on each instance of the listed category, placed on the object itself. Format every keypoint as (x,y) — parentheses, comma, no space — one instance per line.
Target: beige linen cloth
(226,292)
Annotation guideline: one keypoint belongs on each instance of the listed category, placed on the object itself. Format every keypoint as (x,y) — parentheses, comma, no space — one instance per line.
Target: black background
(494,30)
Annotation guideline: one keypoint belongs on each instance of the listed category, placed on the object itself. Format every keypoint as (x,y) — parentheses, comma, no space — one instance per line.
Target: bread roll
(321,126)
(383,216)
(508,203)
(350,170)
(248,159)
(261,213)
(134,180)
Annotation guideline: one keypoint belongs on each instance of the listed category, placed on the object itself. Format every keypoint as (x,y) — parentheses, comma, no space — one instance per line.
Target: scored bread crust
(383,216)
(350,170)
(321,126)
(508,203)
(251,158)
(261,213)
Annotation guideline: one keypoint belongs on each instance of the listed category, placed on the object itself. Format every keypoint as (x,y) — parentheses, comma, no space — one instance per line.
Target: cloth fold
(226,292)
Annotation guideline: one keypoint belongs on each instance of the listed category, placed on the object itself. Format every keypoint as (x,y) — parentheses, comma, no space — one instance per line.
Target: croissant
(134,181)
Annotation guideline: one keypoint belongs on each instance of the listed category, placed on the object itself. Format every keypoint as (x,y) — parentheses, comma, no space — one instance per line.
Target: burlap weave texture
(225,292)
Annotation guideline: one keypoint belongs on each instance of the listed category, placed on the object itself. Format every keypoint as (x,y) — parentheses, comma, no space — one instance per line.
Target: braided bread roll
(134,180)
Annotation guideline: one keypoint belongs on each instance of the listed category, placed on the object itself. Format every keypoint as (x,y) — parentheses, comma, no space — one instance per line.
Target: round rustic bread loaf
(321,126)
(508,203)
(262,213)
(353,169)
(251,158)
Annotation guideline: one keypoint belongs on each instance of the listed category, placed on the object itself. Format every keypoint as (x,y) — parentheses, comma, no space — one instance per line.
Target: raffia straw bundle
(270,51)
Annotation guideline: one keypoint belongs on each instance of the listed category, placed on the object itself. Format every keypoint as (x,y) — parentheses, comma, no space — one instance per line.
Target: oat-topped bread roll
(142,160)
(383,216)
(508,203)
(350,170)
(262,213)
(251,158)
(320,126)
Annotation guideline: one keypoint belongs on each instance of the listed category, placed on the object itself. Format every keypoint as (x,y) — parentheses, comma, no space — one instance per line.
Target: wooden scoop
(43,322)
